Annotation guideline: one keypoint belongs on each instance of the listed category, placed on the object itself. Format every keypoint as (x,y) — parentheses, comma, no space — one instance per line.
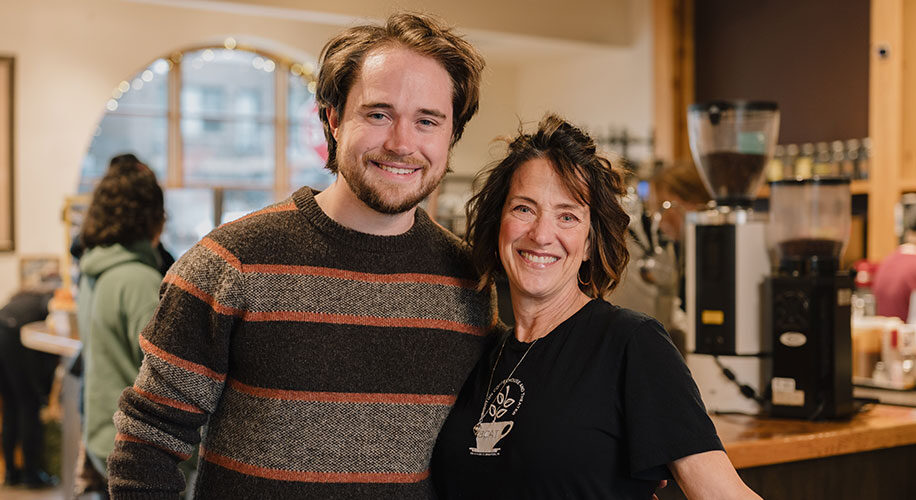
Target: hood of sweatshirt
(99,259)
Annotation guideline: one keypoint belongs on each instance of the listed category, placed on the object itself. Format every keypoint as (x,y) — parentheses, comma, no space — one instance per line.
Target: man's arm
(184,368)
(710,475)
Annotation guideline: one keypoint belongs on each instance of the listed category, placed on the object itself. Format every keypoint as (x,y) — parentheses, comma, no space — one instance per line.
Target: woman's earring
(583,283)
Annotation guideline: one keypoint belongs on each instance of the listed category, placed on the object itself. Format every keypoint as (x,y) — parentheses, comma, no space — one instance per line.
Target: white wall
(70,55)
(598,88)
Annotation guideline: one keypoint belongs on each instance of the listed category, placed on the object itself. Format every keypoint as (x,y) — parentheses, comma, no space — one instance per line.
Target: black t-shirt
(596,409)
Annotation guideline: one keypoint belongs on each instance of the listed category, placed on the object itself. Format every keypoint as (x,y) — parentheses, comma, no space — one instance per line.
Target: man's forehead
(396,60)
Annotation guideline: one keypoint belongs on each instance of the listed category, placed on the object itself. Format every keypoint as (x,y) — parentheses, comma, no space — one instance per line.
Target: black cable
(746,390)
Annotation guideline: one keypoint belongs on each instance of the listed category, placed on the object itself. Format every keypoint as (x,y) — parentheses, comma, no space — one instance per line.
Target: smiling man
(324,339)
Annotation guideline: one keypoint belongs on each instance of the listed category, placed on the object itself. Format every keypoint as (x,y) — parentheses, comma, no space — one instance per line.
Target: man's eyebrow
(432,112)
(376,105)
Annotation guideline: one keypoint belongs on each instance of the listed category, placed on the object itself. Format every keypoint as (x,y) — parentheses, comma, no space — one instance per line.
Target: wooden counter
(868,456)
(752,442)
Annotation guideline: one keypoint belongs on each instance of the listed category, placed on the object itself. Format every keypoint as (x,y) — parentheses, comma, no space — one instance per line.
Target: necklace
(486,396)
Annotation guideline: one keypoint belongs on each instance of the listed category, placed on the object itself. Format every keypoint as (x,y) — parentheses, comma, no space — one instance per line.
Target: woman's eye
(523,212)
(568,219)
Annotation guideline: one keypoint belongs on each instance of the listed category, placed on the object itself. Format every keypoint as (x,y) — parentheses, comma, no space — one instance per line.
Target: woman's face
(543,234)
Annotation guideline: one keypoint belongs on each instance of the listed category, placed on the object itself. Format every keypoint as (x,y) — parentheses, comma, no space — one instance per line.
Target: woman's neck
(536,318)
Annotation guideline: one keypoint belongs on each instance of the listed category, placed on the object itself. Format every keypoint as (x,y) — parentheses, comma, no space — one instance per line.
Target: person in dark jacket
(25,381)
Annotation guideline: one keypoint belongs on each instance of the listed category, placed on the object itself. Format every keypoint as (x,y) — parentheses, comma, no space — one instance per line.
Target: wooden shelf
(858,186)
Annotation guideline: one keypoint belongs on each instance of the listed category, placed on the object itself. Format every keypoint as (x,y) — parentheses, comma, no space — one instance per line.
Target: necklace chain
(486,395)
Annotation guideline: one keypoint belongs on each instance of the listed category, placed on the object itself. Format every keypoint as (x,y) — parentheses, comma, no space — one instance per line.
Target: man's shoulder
(257,231)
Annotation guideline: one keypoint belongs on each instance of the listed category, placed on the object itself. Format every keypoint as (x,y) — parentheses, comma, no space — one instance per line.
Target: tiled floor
(24,494)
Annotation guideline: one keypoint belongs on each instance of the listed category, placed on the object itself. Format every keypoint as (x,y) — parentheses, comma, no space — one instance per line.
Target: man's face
(393,137)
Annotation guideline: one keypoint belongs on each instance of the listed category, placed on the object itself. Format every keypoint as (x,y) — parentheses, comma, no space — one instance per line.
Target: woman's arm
(709,475)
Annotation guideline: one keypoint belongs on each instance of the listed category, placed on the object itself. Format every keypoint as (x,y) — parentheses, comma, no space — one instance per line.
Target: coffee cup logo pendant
(488,434)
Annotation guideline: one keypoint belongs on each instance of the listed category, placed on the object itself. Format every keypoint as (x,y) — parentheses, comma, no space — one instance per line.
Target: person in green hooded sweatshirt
(118,292)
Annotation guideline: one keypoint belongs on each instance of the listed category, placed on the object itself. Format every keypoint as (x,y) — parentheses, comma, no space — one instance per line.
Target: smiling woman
(583,399)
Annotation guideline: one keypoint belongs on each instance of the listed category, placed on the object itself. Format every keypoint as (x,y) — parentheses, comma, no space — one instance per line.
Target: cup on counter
(898,353)
(867,337)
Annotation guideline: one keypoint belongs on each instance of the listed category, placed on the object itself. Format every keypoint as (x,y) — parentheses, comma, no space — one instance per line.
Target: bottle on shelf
(775,168)
(823,161)
(863,300)
(838,157)
(804,165)
(789,161)
(864,158)
(851,160)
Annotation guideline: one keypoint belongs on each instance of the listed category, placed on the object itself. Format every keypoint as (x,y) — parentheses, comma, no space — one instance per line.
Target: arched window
(226,129)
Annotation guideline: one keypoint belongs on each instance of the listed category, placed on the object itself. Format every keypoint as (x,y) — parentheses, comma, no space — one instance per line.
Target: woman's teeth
(538,259)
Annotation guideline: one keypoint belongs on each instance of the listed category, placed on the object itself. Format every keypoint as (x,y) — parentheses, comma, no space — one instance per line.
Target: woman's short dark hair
(590,178)
(342,57)
(126,206)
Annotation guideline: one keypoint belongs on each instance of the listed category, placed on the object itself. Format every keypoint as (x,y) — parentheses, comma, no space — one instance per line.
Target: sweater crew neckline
(417,236)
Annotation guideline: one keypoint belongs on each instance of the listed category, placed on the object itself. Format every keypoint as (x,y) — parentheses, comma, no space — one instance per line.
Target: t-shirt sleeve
(664,414)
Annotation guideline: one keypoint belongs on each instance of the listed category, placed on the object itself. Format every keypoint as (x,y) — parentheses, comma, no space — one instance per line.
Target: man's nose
(400,138)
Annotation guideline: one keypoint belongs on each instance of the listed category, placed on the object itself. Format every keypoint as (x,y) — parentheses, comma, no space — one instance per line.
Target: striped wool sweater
(321,360)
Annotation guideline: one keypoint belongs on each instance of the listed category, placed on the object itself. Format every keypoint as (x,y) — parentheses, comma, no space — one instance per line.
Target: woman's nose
(540,230)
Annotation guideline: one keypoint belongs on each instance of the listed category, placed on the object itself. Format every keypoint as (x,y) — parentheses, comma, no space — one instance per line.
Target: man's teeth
(539,259)
(395,170)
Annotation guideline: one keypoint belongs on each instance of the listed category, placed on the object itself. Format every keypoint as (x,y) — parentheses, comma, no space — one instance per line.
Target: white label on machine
(793,339)
(785,394)
(843,297)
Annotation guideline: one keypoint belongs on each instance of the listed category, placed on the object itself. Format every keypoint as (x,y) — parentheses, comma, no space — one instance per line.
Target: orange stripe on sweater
(192,289)
(131,439)
(190,366)
(221,251)
(167,401)
(341,397)
(349,319)
(312,477)
(431,279)
(286,207)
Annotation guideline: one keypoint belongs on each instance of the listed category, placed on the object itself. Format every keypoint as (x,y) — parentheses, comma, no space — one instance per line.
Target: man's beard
(373,195)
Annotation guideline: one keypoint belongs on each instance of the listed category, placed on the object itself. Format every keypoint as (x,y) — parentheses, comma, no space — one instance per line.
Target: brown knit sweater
(321,360)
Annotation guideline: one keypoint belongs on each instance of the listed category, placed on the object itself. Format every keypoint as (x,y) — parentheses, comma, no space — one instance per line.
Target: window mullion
(175,172)
(281,130)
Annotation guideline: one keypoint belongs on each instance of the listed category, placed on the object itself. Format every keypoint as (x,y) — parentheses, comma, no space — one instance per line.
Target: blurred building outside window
(227,130)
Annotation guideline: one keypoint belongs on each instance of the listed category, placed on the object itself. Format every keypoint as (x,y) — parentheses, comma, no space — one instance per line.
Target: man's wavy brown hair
(589,177)
(342,58)
(126,206)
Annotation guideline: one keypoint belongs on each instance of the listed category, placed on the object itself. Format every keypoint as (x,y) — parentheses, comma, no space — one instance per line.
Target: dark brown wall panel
(810,56)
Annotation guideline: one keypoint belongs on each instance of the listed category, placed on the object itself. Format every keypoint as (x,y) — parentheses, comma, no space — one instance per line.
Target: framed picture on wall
(6,153)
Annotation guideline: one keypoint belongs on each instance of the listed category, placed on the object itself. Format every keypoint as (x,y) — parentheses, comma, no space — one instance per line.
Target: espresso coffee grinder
(726,252)
(808,299)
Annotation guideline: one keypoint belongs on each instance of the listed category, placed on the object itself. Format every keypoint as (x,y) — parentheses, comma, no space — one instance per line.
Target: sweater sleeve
(181,379)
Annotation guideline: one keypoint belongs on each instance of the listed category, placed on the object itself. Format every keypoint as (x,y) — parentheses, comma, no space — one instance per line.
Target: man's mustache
(393,158)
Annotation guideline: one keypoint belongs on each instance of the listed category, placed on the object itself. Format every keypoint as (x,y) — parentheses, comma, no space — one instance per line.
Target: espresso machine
(808,299)
(726,253)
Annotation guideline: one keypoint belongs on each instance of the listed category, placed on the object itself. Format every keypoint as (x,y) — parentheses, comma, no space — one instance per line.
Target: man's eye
(376,116)
(427,123)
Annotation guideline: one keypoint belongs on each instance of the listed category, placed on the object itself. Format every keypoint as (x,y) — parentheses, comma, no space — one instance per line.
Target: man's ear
(333,121)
